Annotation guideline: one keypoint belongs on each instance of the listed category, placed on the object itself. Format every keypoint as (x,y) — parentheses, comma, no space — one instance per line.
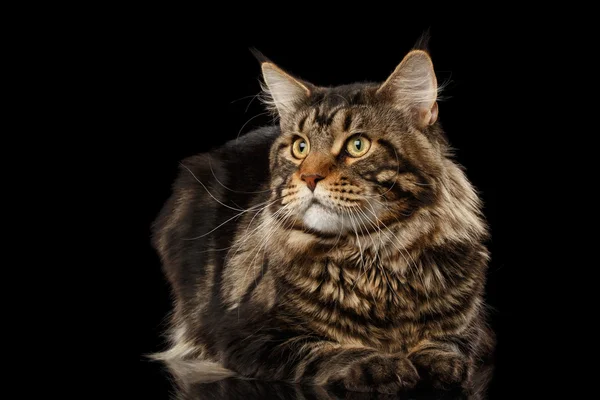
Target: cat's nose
(311,180)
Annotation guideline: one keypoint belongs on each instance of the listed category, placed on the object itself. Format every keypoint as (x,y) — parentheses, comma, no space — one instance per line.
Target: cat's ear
(282,91)
(413,86)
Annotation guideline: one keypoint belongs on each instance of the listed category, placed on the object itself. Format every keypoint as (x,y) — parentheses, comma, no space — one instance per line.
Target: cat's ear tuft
(413,86)
(282,92)
(260,57)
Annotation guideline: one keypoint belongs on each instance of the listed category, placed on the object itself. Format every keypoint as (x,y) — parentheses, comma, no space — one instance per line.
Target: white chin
(322,219)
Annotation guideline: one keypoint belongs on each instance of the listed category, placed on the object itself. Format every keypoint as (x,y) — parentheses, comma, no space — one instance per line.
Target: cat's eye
(300,148)
(357,146)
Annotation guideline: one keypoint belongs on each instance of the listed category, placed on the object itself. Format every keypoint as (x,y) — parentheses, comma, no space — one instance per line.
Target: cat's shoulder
(252,146)
(258,139)
(213,186)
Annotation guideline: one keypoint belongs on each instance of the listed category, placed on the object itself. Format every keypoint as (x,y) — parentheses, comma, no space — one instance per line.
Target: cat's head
(353,158)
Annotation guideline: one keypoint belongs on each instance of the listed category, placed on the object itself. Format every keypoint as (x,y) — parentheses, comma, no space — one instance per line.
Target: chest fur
(370,305)
(348,303)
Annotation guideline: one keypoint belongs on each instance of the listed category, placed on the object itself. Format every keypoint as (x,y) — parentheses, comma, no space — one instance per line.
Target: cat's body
(373,279)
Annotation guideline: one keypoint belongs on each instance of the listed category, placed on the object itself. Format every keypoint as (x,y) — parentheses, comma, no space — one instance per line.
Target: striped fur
(392,297)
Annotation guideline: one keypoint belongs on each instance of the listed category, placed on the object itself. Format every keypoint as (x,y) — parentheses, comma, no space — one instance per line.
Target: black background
(192,87)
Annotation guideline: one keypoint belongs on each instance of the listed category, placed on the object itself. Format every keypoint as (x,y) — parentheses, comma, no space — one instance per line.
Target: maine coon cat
(342,247)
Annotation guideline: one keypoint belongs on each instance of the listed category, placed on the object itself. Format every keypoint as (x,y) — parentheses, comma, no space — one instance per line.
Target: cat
(342,246)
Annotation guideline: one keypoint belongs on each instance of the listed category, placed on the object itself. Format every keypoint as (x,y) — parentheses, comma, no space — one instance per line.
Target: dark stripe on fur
(256,282)
(347,121)
(301,123)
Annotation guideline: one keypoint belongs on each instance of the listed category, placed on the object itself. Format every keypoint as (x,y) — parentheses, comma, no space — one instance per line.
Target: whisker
(244,97)
(207,191)
(260,246)
(250,102)
(240,245)
(272,231)
(232,218)
(362,257)
(209,250)
(399,242)
(247,122)
(374,249)
(378,265)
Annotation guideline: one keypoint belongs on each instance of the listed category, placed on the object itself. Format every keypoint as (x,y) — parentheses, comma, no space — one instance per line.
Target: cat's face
(356,158)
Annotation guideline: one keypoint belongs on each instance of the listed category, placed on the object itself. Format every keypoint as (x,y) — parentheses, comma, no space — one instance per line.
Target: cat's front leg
(281,355)
(442,363)
(382,373)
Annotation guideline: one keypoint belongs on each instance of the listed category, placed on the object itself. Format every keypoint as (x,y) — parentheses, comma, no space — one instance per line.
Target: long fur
(393,300)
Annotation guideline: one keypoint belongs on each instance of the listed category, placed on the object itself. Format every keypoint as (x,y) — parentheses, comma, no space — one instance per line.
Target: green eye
(300,148)
(358,146)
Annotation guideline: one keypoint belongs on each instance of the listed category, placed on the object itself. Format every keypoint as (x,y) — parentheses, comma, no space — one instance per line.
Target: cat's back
(212,192)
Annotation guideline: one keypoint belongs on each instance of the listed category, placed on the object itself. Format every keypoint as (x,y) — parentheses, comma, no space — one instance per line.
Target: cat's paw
(382,373)
(445,370)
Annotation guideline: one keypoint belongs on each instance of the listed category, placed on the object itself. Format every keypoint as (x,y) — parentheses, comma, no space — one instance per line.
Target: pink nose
(311,180)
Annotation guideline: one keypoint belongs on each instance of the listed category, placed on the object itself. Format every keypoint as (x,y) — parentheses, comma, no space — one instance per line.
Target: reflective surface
(249,390)
(234,388)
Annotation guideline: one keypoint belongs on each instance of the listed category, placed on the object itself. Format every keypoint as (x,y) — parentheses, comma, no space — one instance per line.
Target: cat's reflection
(234,389)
